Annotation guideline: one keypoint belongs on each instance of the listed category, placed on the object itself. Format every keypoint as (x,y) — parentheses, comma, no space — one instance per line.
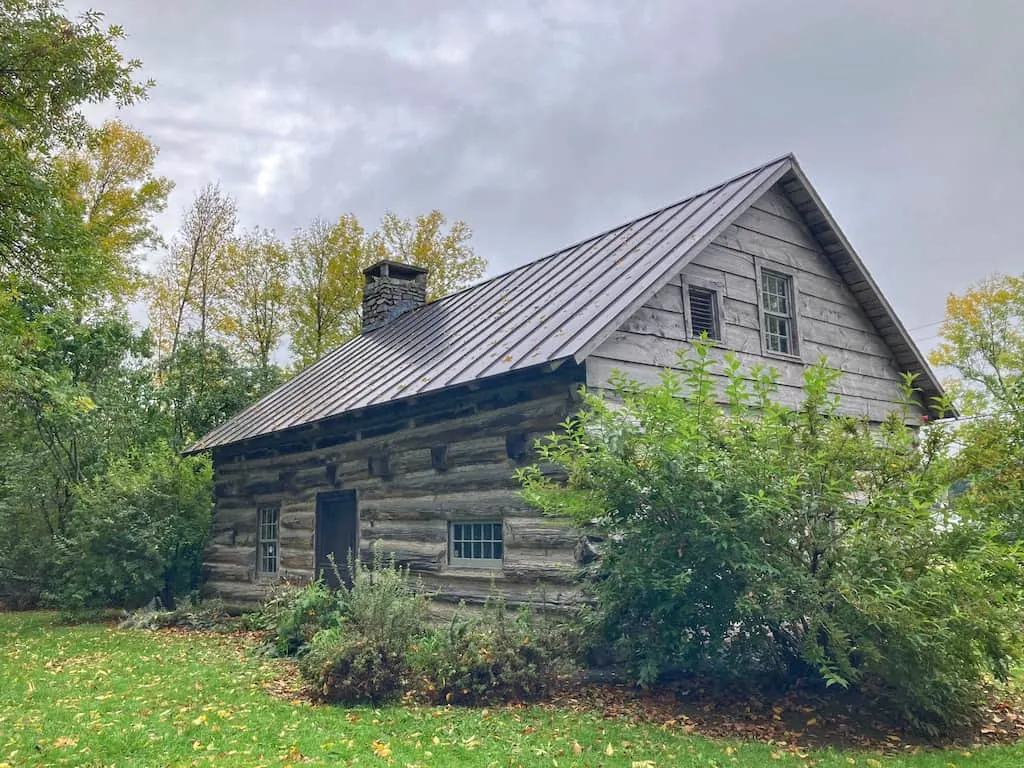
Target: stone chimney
(391,288)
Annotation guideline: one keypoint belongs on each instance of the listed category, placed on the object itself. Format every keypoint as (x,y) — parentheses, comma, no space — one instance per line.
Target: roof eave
(205,444)
(936,390)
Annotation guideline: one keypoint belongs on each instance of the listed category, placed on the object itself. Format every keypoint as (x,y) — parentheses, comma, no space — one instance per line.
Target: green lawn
(94,695)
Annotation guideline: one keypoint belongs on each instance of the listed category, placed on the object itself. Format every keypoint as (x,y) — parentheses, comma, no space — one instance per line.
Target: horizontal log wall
(830,321)
(409,511)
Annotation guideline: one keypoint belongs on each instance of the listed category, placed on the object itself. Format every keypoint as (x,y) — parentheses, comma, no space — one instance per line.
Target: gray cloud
(542,122)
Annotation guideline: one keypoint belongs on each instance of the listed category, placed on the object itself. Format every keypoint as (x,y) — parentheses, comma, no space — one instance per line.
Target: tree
(110,180)
(328,259)
(83,439)
(139,531)
(78,393)
(983,341)
(756,543)
(203,385)
(323,303)
(51,65)
(191,278)
(448,255)
(250,313)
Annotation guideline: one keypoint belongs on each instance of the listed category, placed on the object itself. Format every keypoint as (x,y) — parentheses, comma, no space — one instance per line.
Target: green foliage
(170,699)
(77,393)
(251,311)
(365,657)
(382,604)
(53,64)
(755,542)
(110,182)
(298,614)
(491,657)
(983,341)
(327,259)
(90,496)
(373,642)
(347,667)
(204,385)
(138,530)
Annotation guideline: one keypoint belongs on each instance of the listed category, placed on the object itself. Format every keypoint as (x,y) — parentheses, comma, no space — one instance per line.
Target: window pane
(777,334)
(776,292)
(266,531)
(476,541)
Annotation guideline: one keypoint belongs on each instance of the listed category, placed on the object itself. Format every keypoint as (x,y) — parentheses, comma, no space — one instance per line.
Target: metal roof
(561,306)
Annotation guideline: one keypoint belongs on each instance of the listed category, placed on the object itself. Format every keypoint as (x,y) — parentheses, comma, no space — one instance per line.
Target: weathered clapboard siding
(408,511)
(830,320)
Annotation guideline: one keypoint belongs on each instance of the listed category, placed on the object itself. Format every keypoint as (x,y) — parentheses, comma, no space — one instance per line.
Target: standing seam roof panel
(471,324)
(506,342)
(549,310)
(489,329)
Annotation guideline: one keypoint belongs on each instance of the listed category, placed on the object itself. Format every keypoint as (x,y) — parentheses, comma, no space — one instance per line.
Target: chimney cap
(389,268)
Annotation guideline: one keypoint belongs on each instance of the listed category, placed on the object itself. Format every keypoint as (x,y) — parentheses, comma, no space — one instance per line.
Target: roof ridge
(349,377)
(609,230)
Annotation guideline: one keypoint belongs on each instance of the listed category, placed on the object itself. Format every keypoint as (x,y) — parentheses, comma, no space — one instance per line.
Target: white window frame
(476,562)
(717,289)
(268,541)
(777,270)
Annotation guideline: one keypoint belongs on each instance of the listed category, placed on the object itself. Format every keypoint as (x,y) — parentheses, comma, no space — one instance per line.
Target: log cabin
(409,434)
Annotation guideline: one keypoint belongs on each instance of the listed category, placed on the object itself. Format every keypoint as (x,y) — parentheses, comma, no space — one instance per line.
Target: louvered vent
(703,312)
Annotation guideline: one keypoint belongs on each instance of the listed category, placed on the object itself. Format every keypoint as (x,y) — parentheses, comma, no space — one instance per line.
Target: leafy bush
(138,531)
(301,612)
(365,657)
(761,542)
(345,666)
(495,656)
(381,604)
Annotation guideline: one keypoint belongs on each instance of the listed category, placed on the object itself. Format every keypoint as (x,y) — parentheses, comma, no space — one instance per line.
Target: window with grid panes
(266,552)
(777,305)
(475,543)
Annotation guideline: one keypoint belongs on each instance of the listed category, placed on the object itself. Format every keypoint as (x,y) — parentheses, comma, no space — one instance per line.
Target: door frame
(327,496)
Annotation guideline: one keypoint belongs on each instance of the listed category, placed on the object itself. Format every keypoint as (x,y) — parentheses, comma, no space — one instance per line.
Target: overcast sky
(540,123)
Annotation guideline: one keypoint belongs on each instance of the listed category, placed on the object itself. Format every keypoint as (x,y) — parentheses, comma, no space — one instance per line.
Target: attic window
(704,313)
(777,308)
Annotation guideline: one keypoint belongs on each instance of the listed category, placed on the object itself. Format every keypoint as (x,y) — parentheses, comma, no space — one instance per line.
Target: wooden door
(337,532)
